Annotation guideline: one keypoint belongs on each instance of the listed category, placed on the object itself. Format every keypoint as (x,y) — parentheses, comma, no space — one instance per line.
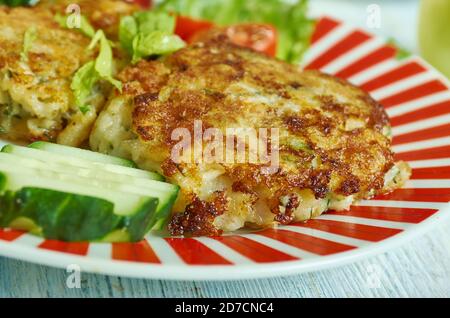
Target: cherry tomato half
(260,37)
(187,27)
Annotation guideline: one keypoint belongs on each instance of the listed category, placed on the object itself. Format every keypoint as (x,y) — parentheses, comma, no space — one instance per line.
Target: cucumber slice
(46,157)
(98,174)
(81,154)
(16,178)
(72,215)
(166,193)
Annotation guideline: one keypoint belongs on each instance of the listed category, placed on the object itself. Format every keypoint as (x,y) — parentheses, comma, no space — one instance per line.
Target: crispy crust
(339,125)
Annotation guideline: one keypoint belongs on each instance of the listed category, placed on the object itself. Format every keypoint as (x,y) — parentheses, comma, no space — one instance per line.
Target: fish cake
(333,140)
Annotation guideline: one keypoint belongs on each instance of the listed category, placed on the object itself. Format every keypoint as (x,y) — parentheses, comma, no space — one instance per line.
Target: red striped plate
(416,97)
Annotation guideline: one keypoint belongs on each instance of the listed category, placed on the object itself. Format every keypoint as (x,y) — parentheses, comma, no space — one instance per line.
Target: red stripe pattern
(323,27)
(64,247)
(397,74)
(424,154)
(358,231)
(351,41)
(195,253)
(416,92)
(10,235)
(418,195)
(380,55)
(423,113)
(404,215)
(255,251)
(431,173)
(134,252)
(306,242)
(424,134)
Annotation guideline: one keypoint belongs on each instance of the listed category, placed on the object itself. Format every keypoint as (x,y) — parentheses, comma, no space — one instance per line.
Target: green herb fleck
(29,37)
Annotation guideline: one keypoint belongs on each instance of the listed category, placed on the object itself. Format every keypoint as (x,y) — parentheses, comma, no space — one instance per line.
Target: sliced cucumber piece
(46,157)
(166,193)
(81,154)
(94,175)
(16,178)
(72,216)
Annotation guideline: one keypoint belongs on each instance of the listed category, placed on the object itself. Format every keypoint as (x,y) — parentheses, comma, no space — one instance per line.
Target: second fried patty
(334,142)
(36,99)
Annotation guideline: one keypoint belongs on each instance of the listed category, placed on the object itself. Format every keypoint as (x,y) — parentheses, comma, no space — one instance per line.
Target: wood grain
(420,268)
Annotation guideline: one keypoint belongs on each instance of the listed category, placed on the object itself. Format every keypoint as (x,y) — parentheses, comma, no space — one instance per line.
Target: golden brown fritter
(36,101)
(102,14)
(334,143)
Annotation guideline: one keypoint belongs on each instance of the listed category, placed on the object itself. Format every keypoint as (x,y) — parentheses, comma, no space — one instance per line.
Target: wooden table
(420,268)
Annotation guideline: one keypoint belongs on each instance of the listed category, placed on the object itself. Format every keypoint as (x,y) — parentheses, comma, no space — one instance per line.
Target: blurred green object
(15,3)
(434,33)
(289,17)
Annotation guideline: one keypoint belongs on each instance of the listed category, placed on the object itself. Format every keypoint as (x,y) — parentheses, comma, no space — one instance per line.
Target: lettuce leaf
(148,33)
(288,17)
(128,29)
(155,43)
(82,84)
(90,73)
(104,62)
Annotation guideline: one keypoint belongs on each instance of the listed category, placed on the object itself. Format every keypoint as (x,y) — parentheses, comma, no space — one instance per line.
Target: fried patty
(103,14)
(334,142)
(36,101)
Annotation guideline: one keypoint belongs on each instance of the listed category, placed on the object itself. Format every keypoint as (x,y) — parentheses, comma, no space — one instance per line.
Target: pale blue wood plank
(421,268)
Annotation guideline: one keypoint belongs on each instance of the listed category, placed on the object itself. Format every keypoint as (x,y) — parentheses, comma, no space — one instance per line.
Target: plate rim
(182,272)
(234,272)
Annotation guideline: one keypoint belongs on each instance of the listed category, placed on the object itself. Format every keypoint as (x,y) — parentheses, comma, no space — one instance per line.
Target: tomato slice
(187,27)
(260,37)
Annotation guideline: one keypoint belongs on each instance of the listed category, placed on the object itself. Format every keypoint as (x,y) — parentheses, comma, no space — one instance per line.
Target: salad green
(288,17)
(16,3)
(149,33)
(92,72)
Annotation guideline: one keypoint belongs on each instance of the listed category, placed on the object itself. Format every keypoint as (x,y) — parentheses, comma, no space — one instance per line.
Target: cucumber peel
(72,218)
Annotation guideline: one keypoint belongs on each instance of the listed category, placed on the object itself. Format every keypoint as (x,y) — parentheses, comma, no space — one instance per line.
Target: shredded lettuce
(90,73)
(85,27)
(148,33)
(104,61)
(155,43)
(288,17)
(29,37)
(82,84)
